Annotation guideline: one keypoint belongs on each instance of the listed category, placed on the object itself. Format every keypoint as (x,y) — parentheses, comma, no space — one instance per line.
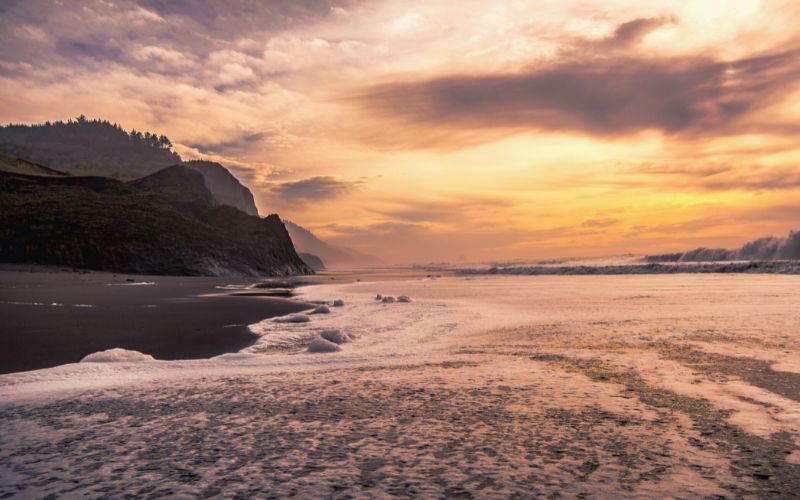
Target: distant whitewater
(751,267)
(762,249)
(768,255)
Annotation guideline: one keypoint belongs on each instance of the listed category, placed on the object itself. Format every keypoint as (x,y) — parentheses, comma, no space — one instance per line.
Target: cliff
(226,188)
(312,261)
(165,223)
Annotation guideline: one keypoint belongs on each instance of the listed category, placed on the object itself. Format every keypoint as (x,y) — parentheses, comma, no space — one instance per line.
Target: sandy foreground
(486,387)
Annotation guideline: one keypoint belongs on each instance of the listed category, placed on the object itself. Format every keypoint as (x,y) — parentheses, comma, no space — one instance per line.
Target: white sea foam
(116,355)
(133,283)
(336,336)
(296,318)
(321,310)
(17,303)
(321,345)
(379,329)
(50,304)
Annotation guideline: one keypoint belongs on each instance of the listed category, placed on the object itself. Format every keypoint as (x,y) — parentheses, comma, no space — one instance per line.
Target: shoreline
(54,316)
(493,386)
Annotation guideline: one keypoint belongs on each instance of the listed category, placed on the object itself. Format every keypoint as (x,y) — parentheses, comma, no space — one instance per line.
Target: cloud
(277,91)
(312,189)
(89,33)
(163,59)
(232,146)
(233,73)
(90,48)
(596,95)
(457,209)
(634,31)
(600,222)
(245,16)
(716,177)
(378,228)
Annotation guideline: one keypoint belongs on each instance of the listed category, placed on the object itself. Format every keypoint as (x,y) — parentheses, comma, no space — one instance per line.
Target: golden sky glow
(441,130)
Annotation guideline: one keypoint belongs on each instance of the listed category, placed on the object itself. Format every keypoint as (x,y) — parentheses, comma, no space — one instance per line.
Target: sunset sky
(449,130)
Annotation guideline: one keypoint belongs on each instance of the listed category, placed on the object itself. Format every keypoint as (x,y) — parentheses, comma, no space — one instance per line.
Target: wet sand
(580,387)
(52,316)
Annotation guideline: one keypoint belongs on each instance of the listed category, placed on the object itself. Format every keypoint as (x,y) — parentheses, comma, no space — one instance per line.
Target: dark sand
(176,318)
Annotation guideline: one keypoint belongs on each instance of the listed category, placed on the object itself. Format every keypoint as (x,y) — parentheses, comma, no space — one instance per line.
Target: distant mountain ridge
(165,223)
(332,256)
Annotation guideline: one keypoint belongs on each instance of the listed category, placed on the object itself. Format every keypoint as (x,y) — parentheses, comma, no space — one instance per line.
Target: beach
(51,316)
(480,387)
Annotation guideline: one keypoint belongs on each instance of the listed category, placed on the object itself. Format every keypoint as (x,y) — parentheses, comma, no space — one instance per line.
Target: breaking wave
(769,248)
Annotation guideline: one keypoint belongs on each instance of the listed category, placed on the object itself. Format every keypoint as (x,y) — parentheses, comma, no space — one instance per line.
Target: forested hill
(89,147)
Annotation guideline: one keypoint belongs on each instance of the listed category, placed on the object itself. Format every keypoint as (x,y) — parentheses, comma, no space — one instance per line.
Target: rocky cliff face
(226,188)
(166,223)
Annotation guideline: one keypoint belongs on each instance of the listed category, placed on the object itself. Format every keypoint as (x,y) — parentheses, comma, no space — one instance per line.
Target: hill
(97,147)
(89,147)
(14,165)
(165,223)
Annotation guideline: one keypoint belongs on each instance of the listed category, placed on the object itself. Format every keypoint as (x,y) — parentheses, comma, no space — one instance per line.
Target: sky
(428,131)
